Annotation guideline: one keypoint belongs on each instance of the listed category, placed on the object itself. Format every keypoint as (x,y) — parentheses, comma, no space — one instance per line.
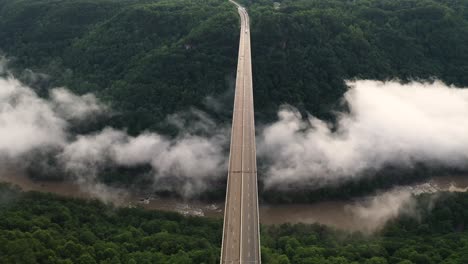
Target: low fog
(388,124)
(370,214)
(36,128)
(373,213)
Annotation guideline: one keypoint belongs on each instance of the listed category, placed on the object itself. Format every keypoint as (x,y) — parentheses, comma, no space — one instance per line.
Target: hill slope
(150,59)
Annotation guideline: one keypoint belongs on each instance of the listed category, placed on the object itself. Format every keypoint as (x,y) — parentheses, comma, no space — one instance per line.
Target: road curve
(241,236)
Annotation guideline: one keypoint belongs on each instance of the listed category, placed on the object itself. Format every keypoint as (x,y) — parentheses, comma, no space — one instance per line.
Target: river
(348,215)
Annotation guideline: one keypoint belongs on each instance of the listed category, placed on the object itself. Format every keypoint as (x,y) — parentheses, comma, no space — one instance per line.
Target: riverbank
(350,215)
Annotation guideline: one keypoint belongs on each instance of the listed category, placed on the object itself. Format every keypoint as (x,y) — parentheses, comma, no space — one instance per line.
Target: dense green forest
(146,59)
(303,50)
(153,58)
(44,228)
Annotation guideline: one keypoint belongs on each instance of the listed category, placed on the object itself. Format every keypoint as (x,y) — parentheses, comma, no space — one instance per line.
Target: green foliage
(145,58)
(400,242)
(44,228)
(303,50)
(149,59)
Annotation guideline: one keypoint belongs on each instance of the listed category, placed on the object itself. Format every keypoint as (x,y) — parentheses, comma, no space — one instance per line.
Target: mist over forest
(165,74)
(354,100)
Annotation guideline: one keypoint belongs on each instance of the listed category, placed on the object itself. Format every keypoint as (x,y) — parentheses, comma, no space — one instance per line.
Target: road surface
(241,239)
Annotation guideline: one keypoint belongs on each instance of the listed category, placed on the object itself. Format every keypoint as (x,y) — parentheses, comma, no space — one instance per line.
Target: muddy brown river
(339,214)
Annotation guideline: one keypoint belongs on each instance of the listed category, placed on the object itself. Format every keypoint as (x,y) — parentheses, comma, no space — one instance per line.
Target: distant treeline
(44,228)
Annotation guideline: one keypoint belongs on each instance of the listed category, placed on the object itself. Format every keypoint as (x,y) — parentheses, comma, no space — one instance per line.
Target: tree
(86,259)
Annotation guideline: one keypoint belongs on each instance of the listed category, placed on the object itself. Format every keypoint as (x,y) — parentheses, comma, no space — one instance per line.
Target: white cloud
(139,150)
(184,164)
(376,211)
(27,122)
(30,125)
(74,107)
(191,156)
(388,124)
(88,153)
(187,160)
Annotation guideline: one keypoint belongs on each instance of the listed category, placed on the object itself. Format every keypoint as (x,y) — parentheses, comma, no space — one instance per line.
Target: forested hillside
(146,58)
(153,58)
(303,50)
(44,228)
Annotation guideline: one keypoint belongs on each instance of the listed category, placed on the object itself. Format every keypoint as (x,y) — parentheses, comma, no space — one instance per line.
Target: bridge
(241,235)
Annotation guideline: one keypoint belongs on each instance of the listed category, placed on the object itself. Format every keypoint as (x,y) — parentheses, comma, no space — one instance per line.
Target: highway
(241,237)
